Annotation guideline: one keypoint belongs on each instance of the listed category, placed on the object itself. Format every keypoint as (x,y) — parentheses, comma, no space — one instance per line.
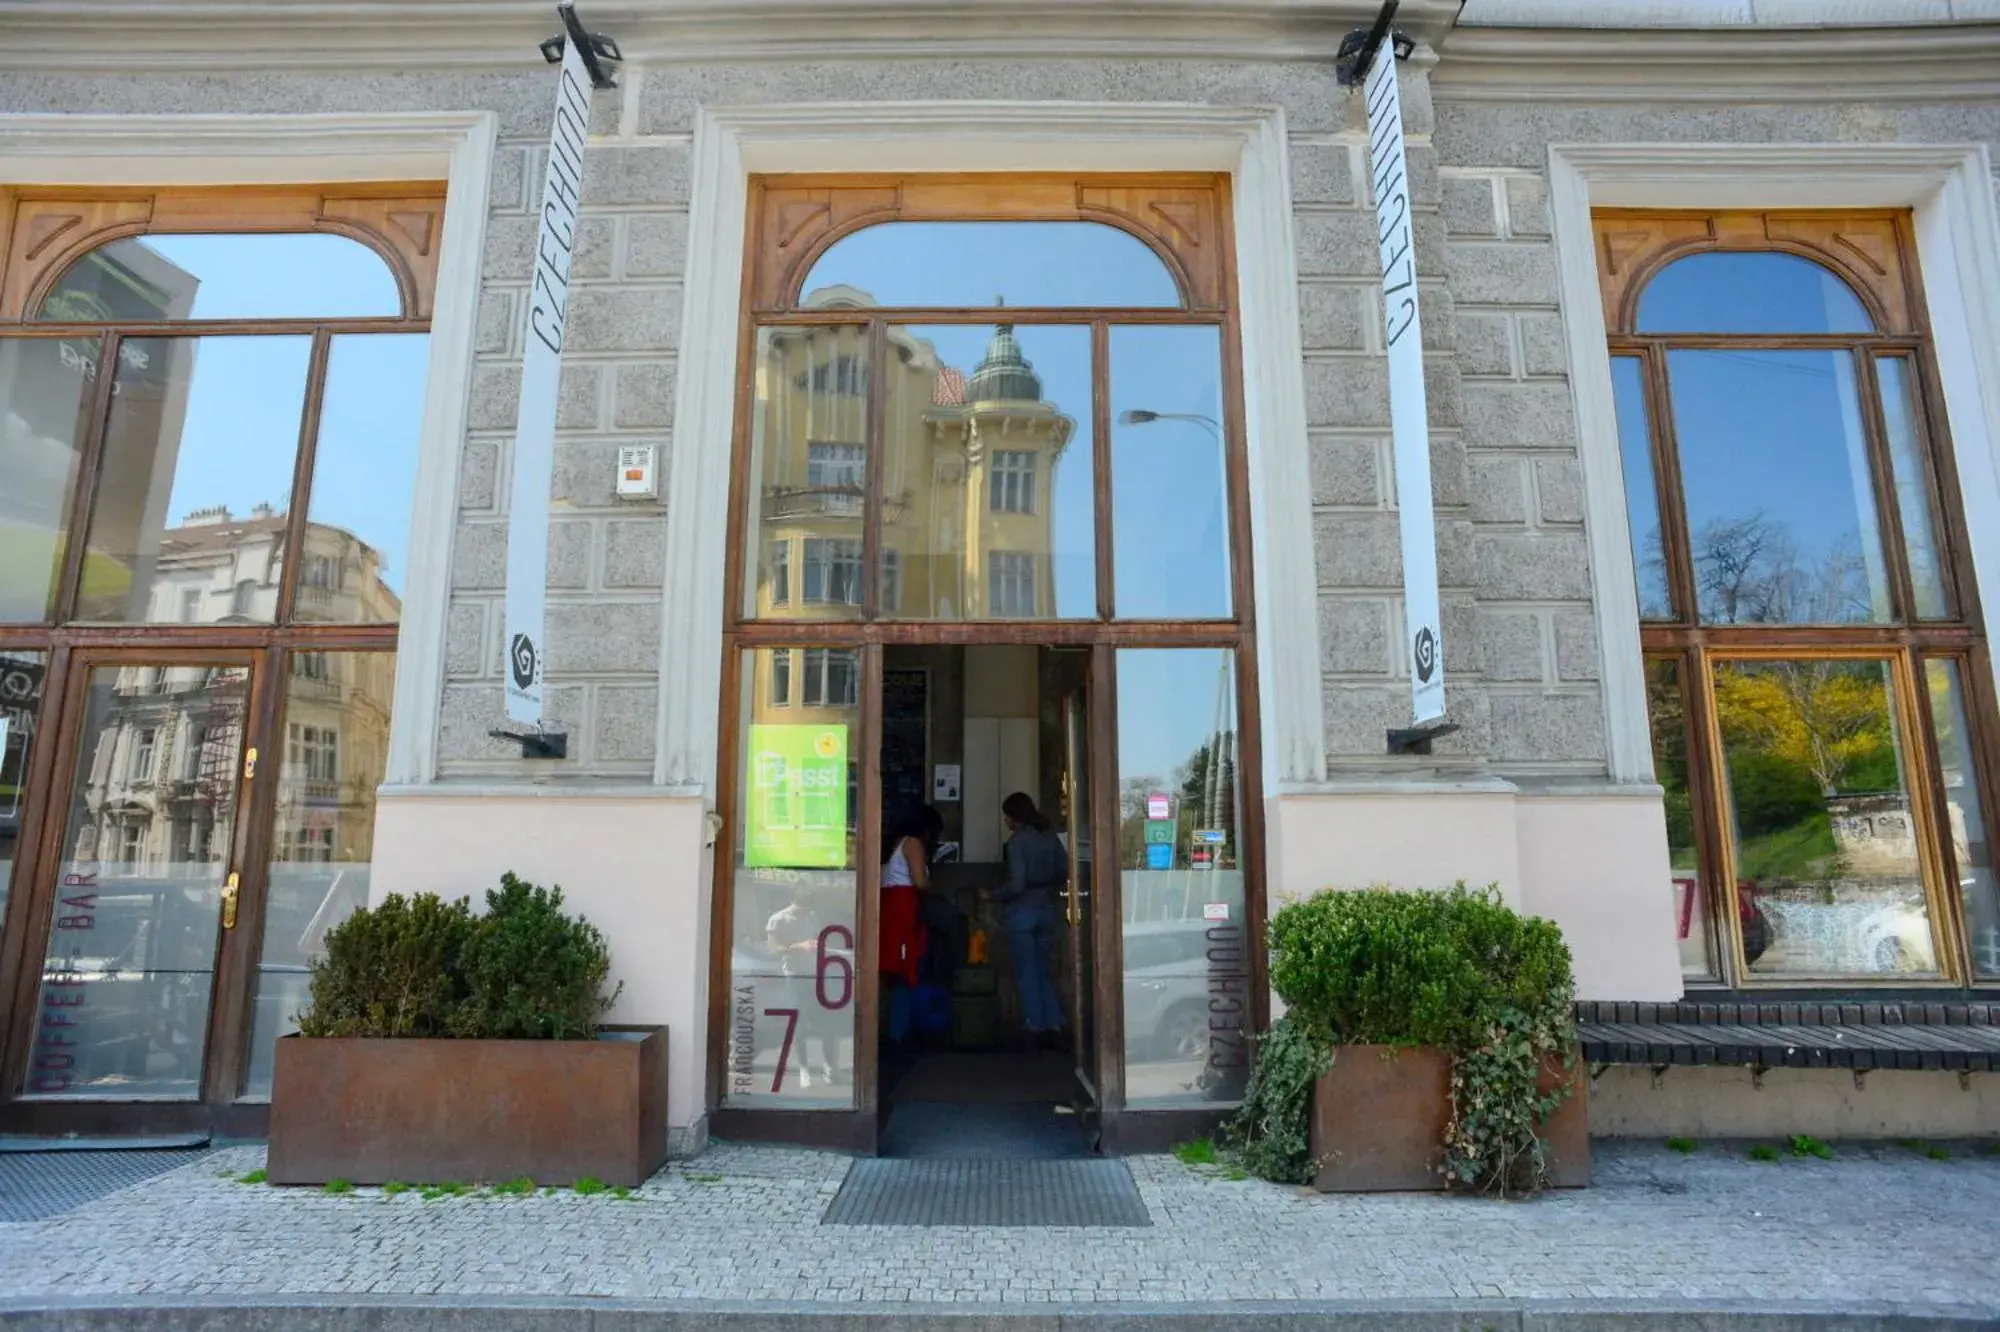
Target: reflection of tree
(1748,570)
(1798,733)
(1653,598)
(1666,706)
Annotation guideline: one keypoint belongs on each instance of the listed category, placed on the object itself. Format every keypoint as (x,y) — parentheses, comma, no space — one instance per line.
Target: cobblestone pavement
(739,1223)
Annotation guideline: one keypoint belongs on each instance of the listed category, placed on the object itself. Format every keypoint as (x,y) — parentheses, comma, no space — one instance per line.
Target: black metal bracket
(1357,50)
(1417,739)
(597,49)
(537,744)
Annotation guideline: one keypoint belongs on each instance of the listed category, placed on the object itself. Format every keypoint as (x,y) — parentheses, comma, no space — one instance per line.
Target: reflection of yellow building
(968,470)
(160,794)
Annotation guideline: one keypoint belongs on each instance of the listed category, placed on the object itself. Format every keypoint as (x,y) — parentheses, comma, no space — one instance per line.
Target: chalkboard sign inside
(905,743)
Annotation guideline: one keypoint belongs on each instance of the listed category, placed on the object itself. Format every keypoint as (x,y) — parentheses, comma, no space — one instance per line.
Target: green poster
(797,815)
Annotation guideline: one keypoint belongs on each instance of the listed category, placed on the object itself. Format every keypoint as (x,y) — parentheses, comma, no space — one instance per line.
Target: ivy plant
(1457,971)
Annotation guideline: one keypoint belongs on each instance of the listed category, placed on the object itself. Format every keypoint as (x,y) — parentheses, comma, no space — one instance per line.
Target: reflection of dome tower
(1004,375)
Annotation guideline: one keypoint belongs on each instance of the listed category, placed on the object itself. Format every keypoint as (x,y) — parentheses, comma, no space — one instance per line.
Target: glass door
(1083,971)
(141,892)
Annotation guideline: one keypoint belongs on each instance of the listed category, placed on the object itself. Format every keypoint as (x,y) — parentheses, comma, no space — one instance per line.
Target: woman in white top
(905,872)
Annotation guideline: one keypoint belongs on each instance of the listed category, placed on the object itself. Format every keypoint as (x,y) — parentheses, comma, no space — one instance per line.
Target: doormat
(879,1192)
(37,1185)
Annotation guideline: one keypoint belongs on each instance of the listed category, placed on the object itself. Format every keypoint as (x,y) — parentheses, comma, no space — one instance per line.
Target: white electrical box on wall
(636,477)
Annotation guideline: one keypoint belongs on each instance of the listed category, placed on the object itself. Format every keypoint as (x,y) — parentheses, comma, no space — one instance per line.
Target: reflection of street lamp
(1141,416)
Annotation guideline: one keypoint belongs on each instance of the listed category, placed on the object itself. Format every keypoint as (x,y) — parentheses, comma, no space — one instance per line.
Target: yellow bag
(975,949)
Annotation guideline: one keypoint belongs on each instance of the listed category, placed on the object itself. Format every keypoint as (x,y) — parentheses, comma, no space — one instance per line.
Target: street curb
(306,1313)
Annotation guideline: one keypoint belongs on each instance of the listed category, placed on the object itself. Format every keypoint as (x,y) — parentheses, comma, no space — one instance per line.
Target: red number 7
(791,1017)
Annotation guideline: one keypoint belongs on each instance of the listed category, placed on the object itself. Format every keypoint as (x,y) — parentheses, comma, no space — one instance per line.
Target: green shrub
(390,970)
(1458,971)
(531,972)
(424,967)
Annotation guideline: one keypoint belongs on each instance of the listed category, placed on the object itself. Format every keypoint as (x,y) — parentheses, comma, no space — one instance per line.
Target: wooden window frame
(1187,220)
(1874,252)
(44,232)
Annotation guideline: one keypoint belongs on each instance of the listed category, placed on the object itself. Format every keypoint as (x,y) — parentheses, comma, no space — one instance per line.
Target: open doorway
(987,1021)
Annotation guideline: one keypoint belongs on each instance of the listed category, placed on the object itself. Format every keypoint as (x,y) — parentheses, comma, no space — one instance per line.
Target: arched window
(964,263)
(287,275)
(1804,597)
(265,386)
(1749,291)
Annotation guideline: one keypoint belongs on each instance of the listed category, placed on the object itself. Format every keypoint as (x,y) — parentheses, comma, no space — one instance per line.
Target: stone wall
(1520,648)
(607,557)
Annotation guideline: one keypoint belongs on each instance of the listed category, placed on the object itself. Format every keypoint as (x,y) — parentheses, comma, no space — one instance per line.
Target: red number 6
(825,962)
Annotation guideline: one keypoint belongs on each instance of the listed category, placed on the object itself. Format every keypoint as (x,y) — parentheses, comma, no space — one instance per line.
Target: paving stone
(1877,1226)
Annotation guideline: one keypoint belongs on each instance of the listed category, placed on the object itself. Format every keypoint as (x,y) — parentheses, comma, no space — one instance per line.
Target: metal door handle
(230,887)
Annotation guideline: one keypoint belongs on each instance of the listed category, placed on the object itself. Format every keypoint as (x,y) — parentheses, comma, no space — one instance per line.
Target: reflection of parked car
(1897,938)
(1166,989)
(141,958)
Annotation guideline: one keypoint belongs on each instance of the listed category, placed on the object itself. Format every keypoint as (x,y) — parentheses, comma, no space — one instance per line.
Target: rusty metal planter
(1379,1118)
(424,1111)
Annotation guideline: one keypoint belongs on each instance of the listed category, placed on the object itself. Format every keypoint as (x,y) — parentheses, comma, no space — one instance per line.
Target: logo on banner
(1424,652)
(525,661)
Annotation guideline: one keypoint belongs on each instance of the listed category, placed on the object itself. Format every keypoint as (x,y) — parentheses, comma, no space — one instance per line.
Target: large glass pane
(44,394)
(364,479)
(1913,495)
(1780,498)
(792,982)
(809,474)
(1186,940)
(1965,806)
(1829,882)
(1666,704)
(20,708)
(123,1008)
(963,264)
(988,502)
(335,750)
(188,523)
(1642,493)
(1169,481)
(1749,291)
(306,275)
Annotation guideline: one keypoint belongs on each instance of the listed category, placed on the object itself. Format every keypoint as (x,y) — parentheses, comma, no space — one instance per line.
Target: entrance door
(1083,971)
(142,879)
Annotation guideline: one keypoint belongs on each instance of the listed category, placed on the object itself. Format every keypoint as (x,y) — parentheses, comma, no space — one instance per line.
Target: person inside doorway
(1037,870)
(905,875)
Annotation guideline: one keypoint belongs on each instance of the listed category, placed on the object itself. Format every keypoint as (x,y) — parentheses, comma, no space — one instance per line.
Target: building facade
(1018,412)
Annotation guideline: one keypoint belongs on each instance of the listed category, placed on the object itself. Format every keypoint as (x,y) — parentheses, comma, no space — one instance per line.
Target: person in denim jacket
(1037,871)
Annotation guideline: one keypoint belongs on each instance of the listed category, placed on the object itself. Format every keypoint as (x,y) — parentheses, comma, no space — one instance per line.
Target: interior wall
(1002,740)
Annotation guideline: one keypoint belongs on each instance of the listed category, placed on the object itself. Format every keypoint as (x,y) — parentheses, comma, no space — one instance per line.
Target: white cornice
(1930,62)
(1735,14)
(205,35)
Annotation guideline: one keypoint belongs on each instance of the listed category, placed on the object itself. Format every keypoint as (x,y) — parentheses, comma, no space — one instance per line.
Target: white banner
(1409,418)
(541,373)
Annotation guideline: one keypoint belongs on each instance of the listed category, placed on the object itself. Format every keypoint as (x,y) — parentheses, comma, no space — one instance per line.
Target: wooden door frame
(225,1034)
(792,220)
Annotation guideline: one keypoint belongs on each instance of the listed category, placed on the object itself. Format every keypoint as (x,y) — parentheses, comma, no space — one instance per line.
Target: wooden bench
(1951,1036)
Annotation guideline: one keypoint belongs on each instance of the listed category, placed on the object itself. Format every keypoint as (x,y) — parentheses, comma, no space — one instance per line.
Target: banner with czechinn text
(1409,416)
(541,374)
